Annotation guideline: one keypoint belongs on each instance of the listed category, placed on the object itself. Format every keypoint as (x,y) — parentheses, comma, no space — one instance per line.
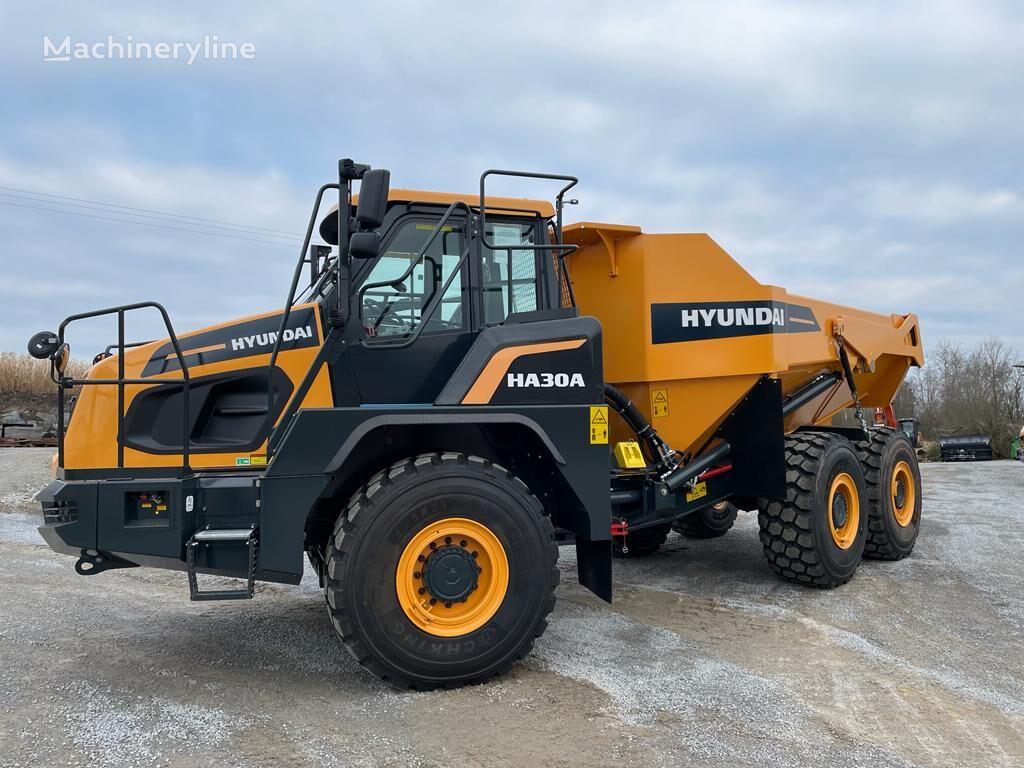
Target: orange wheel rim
(903,492)
(452,577)
(843,510)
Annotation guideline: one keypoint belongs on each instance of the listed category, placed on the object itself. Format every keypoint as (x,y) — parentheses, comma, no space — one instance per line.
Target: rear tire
(472,537)
(816,535)
(708,523)
(893,480)
(640,543)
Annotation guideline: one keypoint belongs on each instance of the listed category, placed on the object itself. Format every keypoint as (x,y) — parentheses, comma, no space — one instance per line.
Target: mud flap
(754,430)
(594,566)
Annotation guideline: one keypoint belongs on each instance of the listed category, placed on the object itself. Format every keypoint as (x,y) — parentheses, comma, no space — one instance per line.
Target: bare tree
(963,391)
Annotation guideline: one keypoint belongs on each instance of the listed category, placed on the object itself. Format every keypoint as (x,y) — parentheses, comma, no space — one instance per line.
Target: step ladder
(210,537)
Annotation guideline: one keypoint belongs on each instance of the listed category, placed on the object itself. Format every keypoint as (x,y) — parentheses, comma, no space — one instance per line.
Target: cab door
(414,374)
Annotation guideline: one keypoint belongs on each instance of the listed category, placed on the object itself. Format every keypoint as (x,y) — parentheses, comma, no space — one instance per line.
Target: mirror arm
(339,317)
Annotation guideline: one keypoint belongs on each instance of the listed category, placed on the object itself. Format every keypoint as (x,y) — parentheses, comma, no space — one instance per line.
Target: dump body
(688,332)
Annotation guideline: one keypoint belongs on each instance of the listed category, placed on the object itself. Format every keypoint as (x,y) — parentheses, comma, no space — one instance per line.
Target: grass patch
(24,375)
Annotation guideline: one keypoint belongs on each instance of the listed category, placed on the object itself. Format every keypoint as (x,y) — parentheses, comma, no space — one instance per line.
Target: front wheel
(441,571)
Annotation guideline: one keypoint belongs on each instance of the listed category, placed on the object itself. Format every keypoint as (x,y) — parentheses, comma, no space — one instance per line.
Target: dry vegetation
(968,390)
(21,374)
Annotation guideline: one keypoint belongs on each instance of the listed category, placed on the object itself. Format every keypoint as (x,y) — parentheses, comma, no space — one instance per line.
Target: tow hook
(93,561)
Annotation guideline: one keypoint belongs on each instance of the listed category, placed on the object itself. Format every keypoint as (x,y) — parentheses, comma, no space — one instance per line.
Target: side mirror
(364,245)
(43,345)
(373,198)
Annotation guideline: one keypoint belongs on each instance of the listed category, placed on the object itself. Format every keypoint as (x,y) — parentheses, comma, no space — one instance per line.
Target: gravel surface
(704,659)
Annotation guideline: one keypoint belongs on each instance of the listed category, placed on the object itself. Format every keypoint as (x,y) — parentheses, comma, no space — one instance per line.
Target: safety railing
(304,258)
(558,247)
(67,382)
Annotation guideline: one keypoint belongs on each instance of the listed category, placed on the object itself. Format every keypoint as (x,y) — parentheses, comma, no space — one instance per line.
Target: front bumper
(97,516)
(90,518)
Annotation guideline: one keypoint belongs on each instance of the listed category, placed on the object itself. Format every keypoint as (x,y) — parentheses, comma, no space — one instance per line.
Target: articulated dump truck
(457,384)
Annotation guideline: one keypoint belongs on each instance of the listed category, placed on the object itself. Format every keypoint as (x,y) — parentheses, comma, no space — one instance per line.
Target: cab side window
(508,277)
(396,310)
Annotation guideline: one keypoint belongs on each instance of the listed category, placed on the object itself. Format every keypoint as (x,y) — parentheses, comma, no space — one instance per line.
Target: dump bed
(688,331)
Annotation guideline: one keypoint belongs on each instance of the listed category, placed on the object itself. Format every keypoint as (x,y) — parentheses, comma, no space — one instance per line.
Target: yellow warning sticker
(700,490)
(599,425)
(659,402)
(257,459)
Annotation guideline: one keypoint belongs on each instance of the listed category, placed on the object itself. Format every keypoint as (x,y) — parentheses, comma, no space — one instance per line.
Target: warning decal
(699,491)
(659,402)
(599,425)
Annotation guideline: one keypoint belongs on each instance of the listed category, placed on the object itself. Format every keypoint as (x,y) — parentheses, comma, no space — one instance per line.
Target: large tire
(640,543)
(480,545)
(893,481)
(816,535)
(708,523)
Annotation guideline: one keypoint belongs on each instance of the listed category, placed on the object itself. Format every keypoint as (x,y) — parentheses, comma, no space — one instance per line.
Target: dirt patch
(705,658)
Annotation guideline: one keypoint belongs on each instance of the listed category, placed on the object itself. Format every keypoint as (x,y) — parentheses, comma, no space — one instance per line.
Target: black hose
(809,391)
(617,399)
(698,466)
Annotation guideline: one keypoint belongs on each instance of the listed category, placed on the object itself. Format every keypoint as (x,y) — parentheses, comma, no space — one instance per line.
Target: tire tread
(342,542)
(786,534)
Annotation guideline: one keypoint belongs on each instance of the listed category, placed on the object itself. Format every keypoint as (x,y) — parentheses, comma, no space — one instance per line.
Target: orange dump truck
(463,383)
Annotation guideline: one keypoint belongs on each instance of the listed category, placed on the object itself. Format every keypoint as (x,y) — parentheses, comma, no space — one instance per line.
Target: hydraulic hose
(617,399)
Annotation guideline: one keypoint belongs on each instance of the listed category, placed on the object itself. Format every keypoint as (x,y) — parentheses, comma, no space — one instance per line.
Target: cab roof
(506,206)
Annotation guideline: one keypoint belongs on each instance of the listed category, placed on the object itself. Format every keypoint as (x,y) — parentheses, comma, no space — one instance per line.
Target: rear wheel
(893,481)
(640,543)
(816,535)
(708,523)
(441,571)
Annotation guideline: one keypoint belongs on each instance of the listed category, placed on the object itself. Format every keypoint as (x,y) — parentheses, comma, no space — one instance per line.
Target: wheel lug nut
(433,601)
(447,539)
(447,605)
(421,558)
(433,545)
(462,543)
(416,575)
(475,554)
(421,590)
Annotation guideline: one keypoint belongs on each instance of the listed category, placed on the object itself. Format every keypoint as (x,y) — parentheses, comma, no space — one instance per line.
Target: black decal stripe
(800,319)
(667,320)
(164,360)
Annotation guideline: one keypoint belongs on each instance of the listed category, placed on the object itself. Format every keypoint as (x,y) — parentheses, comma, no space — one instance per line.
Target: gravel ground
(704,659)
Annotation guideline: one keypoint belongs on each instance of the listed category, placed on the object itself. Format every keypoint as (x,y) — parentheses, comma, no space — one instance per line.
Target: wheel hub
(452,577)
(450,574)
(840,512)
(843,510)
(901,493)
(904,494)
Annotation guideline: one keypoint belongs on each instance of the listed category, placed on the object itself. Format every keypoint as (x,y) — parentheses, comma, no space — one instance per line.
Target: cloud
(862,153)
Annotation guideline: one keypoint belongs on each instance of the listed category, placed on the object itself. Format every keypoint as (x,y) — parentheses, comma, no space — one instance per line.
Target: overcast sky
(867,153)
